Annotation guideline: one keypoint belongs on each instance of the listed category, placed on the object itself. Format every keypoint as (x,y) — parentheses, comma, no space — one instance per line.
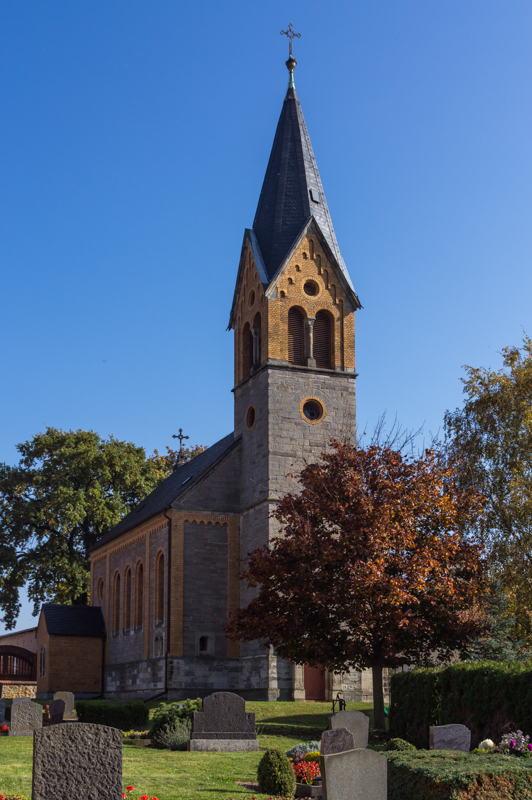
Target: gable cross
(181,457)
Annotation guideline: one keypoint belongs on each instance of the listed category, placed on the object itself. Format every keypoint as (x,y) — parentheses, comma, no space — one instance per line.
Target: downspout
(169,571)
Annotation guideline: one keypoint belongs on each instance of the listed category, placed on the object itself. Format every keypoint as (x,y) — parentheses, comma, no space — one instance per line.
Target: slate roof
(285,203)
(170,489)
(74,620)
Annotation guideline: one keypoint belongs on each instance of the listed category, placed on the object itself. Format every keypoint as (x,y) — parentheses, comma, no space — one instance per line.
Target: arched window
(256,341)
(311,248)
(139,595)
(247,350)
(159,588)
(99,592)
(116,603)
(296,337)
(323,340)
(127,598)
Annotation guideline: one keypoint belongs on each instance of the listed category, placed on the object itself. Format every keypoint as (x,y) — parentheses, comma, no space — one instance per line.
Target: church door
(314,683)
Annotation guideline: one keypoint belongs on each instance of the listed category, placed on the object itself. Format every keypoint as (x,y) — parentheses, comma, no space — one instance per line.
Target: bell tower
(293,316)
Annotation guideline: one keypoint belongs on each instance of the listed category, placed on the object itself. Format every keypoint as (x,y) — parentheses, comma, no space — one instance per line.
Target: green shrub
(131,714)
(168,714)
(489,697)
(275,774)
(298,751)
(399,744)
(314,755)
(444,775)
(176,736)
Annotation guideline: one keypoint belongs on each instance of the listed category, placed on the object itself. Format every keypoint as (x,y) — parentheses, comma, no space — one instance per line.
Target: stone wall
(135,679)
(18,689)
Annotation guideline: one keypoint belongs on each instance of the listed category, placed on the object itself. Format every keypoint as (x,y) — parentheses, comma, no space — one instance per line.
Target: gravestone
(450,737)
(56,709)
(80,760)
(25,718)
(354,721)
(68,699)
(354,775)
(17,700)
(2,711)
(223,724)
(337,741)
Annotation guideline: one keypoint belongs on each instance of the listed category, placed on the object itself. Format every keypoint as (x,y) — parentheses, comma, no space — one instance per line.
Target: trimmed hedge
(125,716)
(444,775)
(275,774)
(490,697)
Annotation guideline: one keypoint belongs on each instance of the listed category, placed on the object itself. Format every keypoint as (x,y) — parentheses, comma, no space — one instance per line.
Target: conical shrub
(275,774)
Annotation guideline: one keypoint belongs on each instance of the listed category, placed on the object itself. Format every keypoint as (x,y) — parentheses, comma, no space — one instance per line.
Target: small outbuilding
(70,650)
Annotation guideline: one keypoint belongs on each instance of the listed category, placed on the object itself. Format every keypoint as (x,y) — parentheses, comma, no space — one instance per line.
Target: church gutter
(169,573)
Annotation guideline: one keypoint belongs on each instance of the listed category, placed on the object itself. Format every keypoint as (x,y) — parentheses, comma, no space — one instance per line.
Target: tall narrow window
(99,592)
(116,603)
(247,350)
(296,337)
(256,340)
(42,662)
(139,595)
(323,340)
(159,588)
(127,598)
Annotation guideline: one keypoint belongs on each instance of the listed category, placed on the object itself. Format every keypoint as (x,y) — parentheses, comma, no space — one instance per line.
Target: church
(166,577)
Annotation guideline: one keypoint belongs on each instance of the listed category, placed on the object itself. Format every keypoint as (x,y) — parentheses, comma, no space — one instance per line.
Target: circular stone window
(250,417)
(251,298)
(311,288)
(312,410)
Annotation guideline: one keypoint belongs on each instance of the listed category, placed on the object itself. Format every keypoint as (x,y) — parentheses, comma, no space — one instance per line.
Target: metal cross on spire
(291,35)
(181,458)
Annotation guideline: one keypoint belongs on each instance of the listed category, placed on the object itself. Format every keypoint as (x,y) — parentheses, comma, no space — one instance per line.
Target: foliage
(306,771)
(299,751)
(165,463)
(169,714)
(132,734)
(490,439)
(16,797)
(275,774)
(399,744)
(491,698)
(67,491)
(124,716)
(374,559)
(499,642)
(175,736)
(445,775)
(314,755)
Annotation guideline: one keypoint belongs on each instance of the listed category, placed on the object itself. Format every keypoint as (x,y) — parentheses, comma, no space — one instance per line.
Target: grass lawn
(185,776)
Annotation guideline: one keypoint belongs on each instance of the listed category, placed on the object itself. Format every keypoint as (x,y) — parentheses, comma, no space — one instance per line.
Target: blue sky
(134,140)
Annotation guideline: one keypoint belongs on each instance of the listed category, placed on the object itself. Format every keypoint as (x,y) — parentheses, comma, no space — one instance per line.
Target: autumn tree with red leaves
(373,569)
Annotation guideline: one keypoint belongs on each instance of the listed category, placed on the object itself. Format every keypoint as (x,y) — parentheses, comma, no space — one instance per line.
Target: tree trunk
(378,697)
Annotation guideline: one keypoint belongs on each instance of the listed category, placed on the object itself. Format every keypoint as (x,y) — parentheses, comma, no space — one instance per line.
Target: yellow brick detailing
(308,263)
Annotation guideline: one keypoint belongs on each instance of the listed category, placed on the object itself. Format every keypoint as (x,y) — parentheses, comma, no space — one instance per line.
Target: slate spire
(292,191)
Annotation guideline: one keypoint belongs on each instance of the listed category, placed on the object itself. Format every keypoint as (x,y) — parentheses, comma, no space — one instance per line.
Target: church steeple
(292,191)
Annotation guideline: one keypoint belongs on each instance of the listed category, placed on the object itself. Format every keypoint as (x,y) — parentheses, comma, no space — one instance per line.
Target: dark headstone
(223,717)
(69,700)
(56,709)
(77,760)
(450,737)
(336,741)
(2,711)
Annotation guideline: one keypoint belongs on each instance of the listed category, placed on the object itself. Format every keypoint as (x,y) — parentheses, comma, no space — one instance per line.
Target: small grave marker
(354,775)
(25,718)
(450,737)
(354,721)
(56,710)
(336,741)
(69,700)
(223,724)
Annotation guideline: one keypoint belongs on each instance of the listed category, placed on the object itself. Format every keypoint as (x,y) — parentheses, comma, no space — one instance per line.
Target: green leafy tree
(166,462)
(67,491)
(490,440)
(498,643)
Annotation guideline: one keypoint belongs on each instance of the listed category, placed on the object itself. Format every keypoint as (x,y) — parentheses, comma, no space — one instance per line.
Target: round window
(250,417)
(312,410)
(252,298)
(311,288)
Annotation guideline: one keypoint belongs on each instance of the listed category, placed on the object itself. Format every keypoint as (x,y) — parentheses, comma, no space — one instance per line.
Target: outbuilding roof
(73,620)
